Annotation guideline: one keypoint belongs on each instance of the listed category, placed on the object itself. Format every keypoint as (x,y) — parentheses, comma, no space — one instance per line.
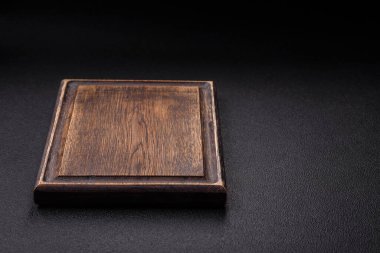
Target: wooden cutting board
(133,142)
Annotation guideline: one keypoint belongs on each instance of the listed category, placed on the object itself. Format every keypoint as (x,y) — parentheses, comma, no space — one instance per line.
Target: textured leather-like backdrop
(299,123)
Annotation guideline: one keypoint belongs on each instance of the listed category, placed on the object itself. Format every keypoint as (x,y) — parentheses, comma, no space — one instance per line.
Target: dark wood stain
(131,140)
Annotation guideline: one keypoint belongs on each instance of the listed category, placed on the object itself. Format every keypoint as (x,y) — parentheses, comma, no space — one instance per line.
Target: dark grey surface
(300,139)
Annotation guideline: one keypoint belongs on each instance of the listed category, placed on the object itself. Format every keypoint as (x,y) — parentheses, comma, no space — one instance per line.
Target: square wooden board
(133,142)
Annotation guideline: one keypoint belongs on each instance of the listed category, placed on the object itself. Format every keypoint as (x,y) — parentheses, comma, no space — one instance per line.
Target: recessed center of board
(118,130)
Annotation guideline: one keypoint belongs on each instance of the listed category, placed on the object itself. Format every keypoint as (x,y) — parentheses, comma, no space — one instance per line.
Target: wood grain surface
(134,131)
(133,142)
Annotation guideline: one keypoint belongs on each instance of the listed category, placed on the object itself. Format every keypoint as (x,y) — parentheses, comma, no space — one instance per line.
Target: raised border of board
(208,190)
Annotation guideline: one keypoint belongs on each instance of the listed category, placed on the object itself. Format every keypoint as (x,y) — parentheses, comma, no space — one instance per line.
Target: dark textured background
(298,91)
